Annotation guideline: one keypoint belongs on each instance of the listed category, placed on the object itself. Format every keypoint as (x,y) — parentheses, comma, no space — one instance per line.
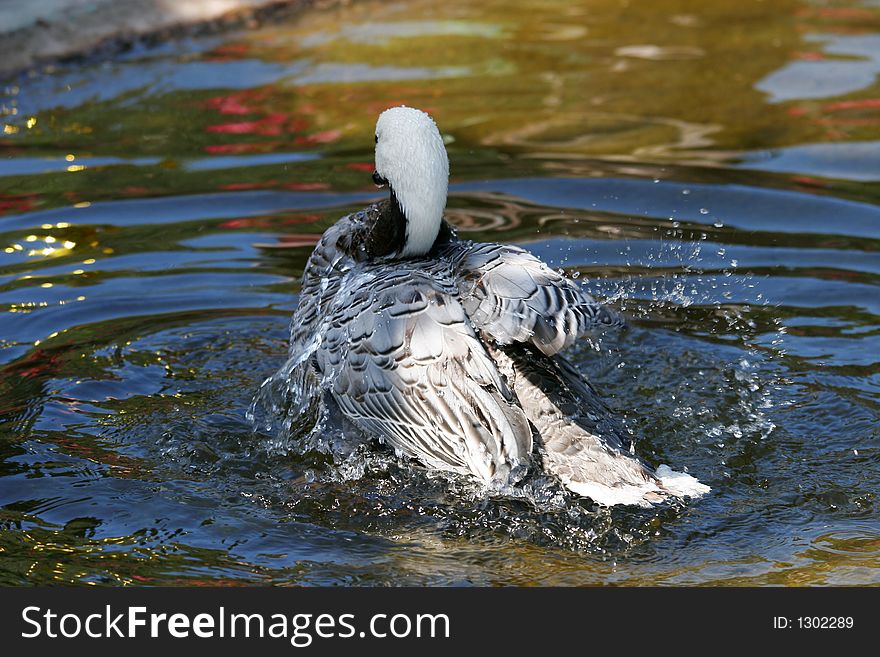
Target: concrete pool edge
(46,31)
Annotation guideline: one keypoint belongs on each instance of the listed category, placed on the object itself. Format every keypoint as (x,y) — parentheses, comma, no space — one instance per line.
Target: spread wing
(511,296)
(405,364)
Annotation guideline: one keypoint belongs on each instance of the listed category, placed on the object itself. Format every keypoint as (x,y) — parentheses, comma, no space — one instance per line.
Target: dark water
(712,168)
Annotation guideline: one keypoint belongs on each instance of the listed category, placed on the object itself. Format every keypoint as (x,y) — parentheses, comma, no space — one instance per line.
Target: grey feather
(394,348)
(582,442)
(511,296)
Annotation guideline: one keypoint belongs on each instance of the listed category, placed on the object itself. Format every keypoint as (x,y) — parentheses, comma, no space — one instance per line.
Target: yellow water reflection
(667,80)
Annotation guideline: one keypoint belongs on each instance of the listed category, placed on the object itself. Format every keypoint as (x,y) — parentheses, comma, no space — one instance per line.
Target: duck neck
(422,220)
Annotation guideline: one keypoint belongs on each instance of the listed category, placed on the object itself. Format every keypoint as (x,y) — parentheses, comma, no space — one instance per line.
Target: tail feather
(581,440)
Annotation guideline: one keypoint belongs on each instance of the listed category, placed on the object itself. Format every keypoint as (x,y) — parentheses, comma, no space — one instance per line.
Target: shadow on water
(708,169)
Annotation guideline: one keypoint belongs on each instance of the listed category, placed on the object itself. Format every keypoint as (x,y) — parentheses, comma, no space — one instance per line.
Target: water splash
(722,397)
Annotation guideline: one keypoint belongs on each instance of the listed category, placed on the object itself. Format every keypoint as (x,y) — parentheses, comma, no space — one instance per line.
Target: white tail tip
(680,483)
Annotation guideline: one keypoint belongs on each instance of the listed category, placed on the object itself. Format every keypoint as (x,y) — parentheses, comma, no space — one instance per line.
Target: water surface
(710,168)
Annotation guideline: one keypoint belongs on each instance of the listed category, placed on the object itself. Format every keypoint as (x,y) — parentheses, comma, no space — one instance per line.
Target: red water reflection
(16,203)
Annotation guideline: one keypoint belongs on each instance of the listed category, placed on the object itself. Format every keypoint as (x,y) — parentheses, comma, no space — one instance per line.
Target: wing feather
(511,296)
(403,362)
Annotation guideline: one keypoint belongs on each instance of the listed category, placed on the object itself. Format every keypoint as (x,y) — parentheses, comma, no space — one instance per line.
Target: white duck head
(412,160)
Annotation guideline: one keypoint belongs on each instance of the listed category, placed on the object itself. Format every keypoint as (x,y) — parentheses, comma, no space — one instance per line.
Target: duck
(449,350)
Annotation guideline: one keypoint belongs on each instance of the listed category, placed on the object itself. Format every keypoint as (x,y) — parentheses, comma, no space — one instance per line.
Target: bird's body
(448,350)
